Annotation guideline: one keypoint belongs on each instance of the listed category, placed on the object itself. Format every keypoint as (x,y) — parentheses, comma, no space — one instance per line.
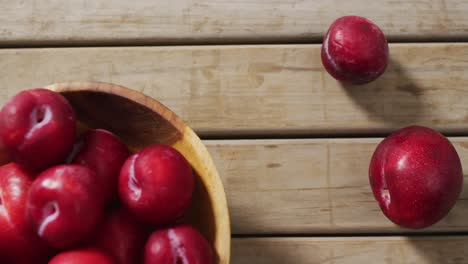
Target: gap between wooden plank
(348,250)
(357,235)
(183,21)
(227,42)
(302,135)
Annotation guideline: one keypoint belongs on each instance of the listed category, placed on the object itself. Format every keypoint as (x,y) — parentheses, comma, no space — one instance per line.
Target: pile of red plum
(76,199)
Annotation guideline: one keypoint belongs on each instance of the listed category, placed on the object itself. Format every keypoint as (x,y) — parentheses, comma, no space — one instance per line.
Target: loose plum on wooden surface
(156,184)
(416,176)
(354,50)
(37,128)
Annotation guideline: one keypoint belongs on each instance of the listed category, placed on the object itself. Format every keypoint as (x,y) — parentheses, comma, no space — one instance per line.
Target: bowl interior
(140,121)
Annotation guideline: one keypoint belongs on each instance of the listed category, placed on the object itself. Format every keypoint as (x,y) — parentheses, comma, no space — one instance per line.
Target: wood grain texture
(36,22)
(351,250)
(141,121)
(311,186)
(264,90)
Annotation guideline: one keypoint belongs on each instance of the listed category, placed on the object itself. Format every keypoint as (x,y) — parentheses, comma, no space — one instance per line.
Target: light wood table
(291,144)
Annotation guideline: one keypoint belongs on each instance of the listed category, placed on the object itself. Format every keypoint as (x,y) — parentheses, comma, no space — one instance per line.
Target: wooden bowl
(140,121)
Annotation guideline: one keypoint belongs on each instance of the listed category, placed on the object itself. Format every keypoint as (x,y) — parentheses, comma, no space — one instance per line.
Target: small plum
(83,256)
(104,153)
(37,129)
(156,184)
(65,204)
(416,176)
(18,243)
(121,237)
(354,50)
(179,244)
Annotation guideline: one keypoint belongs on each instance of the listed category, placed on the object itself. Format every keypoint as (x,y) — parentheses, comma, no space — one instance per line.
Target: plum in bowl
(140,121)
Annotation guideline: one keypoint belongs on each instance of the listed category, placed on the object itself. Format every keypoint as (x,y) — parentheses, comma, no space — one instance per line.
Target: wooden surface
(78,22)
(303,195)
(351,250)
(260,90)
(142,121)
(311,186)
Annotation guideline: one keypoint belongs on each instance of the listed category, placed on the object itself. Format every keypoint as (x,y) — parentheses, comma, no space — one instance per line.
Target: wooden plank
(35,22)
(264,90)
(309,186)
(351,250)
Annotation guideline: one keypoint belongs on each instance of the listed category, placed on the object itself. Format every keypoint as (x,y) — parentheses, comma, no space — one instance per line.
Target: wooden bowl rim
(222,241)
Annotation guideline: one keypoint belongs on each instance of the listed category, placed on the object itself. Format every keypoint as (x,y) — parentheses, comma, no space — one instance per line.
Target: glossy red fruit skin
(4,156)
(37,128)
(18,243)
(104,153)
(354,50)
(178,244)
(65,205)
(121,237)
(156,184)
(83,256)
(416,176)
